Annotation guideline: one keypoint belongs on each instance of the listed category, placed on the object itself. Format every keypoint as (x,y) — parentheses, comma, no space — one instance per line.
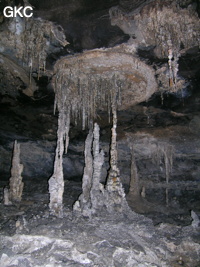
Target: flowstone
(87,82)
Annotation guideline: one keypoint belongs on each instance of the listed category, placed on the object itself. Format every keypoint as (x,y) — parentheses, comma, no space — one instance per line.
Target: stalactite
(88,86)
(14,194)
(170,56)
(173,65)
(31,39)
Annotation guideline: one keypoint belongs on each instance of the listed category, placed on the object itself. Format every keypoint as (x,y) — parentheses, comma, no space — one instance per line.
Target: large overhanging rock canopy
(87,82)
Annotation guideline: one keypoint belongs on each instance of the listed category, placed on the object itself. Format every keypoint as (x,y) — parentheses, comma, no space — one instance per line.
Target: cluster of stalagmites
(13,194)
(95,196)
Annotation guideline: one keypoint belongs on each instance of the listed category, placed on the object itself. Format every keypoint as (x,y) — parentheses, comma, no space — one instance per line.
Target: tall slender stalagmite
(134,190)
(115,193)
(56,182)
(87,175)
(97,188)
(168,159)
(165,153)
(14,194)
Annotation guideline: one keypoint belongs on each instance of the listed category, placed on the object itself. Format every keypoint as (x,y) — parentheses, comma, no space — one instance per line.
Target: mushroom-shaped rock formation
(85,82)
(98,79)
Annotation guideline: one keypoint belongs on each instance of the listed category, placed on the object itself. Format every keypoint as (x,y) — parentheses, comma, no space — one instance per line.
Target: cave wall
(131,34)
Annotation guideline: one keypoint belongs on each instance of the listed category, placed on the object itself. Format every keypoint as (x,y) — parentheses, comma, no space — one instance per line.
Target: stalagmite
(6,199)
(168,158)
(114,191)
(91,199)
(88,172)
(165,152)
(56,182)
(97,188)
(134,190)
(14,194)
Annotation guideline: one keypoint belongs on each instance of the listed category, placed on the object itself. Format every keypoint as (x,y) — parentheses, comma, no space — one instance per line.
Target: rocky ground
(31,237)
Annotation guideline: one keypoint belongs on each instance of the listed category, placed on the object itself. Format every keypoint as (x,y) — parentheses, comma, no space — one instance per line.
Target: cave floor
(29,236)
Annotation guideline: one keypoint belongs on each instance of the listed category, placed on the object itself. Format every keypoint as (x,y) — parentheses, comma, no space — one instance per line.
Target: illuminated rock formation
(164,26)
(83,85)
(56,182)
(91,199)
(115,201)
(24,47)
(14,194)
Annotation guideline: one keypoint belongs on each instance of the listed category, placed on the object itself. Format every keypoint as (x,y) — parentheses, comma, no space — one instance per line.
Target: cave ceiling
(162,36)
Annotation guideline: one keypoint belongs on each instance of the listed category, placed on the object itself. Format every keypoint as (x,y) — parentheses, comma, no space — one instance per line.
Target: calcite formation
(165,152)
(24,47)
(83,84)
(115,196)
(134,190)
(92,198)
(164,26)
(14,193)
(95,197)
(56,182)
